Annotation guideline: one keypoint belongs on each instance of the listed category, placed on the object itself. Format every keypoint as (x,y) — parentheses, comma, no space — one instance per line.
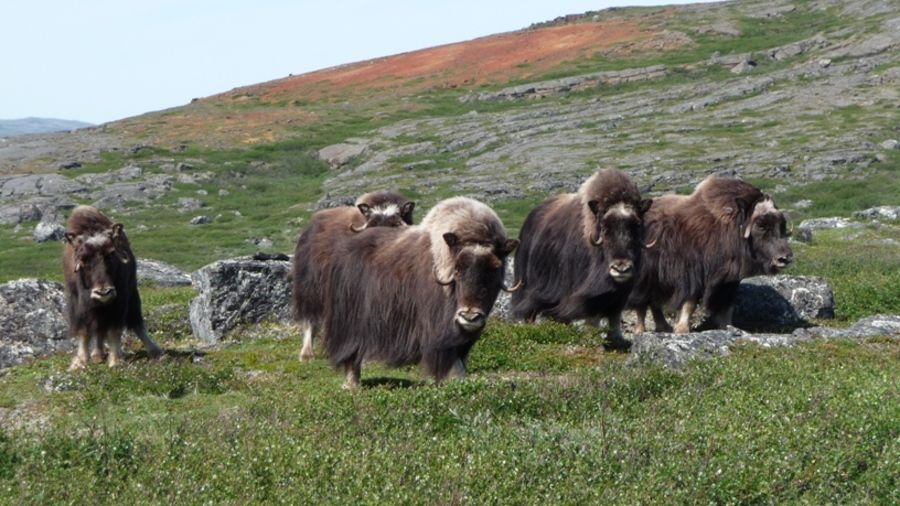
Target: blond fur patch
(469,219)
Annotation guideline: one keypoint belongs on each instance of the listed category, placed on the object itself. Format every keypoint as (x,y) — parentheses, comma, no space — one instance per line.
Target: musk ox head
(767,233)
(476,277)
(618,230)
(384,209)
(97,260)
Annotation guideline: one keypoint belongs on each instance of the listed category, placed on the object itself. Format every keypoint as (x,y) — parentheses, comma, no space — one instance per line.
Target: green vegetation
(546,417)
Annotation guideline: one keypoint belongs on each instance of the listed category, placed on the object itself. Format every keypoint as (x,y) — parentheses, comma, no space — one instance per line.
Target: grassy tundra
(546,416)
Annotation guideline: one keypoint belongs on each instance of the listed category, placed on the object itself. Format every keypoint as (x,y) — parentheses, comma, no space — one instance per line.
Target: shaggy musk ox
(579,253)
(101,287)
(706,243)
(316,245)
(417,294)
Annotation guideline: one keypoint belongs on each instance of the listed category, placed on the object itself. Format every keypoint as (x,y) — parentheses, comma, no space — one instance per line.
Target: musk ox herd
(372,285)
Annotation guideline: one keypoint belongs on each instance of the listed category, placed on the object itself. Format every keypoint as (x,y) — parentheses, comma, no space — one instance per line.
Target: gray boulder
(44,232)
(828,223)
(675,350)
(779,303)
(238,291)
(32,320)
(338,155)
(161,273)
(880,213)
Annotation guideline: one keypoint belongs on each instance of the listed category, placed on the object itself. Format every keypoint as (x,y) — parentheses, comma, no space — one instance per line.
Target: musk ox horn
(441,282)
(514,288)
(651,243)
(358,229)
(598,241)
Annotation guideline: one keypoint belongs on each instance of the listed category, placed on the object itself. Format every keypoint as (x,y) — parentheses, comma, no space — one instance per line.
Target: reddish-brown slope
(266,112)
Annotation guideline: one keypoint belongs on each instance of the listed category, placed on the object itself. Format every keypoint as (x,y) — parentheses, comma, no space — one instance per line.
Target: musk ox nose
(471,319)
(784,261)
(621,270)
(103,294)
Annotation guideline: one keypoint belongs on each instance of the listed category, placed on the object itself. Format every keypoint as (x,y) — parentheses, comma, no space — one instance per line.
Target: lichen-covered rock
(675,350)
(779,303)
(32,320)
(827,223)
(236,291)
(880,213)
(45,231)
(161,273)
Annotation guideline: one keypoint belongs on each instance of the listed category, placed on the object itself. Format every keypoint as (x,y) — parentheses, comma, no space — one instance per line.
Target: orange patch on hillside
(490,59)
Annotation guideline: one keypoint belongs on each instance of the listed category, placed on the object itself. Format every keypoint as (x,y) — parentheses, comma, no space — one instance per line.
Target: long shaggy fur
(316,246)
(384,302)
(565,276)
(701,253)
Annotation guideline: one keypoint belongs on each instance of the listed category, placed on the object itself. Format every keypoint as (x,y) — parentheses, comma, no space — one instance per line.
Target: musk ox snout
(782,261)
(621,270)
(103,294)
(471,319)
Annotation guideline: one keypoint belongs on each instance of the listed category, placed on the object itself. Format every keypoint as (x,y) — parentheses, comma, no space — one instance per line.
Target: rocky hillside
(788,93)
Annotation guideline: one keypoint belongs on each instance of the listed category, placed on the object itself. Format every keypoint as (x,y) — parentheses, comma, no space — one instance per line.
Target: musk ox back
(418,294)
(579,252)
(316,246)
(101,287)
(726,230)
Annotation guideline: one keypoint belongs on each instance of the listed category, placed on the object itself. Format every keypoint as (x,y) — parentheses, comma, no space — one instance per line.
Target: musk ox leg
(614,339)
(722,318)
(659,319)
(683,325)
(97,352)
(114,339)
(458,370)
(152,348)
(306,352)
(351,382)
(81,356)
(641,314)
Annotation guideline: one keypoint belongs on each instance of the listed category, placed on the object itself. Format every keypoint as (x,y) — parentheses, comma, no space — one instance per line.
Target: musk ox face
(97,260)
(768,236)
(477,279)
(386,215)
(619,232)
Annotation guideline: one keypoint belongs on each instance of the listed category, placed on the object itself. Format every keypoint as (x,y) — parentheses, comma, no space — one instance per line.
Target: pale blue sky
(101,60)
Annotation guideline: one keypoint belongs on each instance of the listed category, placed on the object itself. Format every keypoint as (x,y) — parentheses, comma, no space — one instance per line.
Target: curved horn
(651,243)
(515,288)
(441,282)
(598,241)
(358,229)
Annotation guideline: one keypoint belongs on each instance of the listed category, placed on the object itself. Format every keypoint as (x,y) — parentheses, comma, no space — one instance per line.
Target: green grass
(546,417)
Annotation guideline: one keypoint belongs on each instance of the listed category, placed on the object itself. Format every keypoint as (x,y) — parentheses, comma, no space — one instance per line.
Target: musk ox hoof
(682,328)
(77,364)
(97,357)
(616,342)
(115,361)
(306,355)
(350,386)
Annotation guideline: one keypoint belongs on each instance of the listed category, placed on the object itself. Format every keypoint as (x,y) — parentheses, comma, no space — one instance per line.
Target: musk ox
(726,230)
(316,246)
(417,294)
(579,253)
(101,287)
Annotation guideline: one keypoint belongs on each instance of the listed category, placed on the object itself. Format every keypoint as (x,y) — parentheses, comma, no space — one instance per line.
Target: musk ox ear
(644,206)
(117,230)
(406,211)
(364,209)
(594,206)
(451,239)
(508,248)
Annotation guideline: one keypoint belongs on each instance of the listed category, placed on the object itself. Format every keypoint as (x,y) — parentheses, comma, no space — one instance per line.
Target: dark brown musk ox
(102,297)
(316,245)
(579,253)
(706,243)
(417,294)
